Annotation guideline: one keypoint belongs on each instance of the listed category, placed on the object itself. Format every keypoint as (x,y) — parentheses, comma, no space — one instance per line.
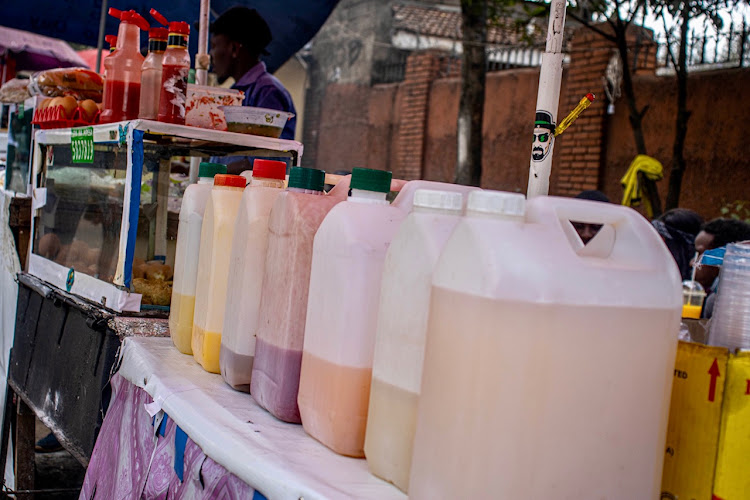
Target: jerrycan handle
(625,236)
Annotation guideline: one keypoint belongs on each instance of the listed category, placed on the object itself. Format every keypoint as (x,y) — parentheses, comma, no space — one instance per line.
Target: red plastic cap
(158,33)
(230,180)
(269,169)
(180,27)
(590,97)
(155,14)
(132,17)
(111,40)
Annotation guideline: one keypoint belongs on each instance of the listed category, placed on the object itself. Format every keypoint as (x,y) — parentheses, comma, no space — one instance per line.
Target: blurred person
(585,230)
(715,234)
(678,228)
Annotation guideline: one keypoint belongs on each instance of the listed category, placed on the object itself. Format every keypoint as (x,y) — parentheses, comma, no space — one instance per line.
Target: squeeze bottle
(295,217)
(401,330)
(186,256)
(151,74)
(248,261)
(549,362)
(175,68)
(122,88)
(214,268)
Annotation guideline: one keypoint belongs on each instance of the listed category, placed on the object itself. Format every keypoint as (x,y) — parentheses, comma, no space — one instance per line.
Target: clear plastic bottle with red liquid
(151,73)
(122,89)
(175,69)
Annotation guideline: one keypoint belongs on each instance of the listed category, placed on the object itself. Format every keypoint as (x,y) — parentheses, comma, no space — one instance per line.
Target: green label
(82,144)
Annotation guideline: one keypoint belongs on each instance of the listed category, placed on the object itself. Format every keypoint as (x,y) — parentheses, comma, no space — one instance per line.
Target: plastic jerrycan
(214,268)
(122,89)
(248,261)
(401,330)
(186,256)
(548,365)
(348,257)
(295,218)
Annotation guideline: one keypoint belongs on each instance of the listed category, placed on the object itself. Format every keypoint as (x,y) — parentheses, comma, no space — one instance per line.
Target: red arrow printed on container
(714,372)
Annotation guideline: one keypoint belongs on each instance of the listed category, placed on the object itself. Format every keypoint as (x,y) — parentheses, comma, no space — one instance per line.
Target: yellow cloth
(652,169)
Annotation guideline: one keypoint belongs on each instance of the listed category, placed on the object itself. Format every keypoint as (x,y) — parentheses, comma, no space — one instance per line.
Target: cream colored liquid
(206,349)
(542,401)
(391,423)
(181,321)
(328,395)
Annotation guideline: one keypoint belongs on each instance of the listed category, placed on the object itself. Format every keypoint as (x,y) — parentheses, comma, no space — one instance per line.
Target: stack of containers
(548,363)
(214,268)
(730,322)
(401,330)
(295,218)
(348,257)
(186,256)
(248,262)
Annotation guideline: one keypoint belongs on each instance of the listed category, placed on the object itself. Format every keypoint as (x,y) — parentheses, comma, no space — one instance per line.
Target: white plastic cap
(496,203)
(442,200)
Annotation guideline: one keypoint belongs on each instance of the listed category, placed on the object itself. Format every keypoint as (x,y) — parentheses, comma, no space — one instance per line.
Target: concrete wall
(293,75)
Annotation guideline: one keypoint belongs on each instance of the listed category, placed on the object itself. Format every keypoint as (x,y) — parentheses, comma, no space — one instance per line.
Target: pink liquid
(275,380)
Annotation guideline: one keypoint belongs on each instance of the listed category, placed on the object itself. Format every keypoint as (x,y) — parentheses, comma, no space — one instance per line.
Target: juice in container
(186,256)
(174,75)
(151,74)
(348,257)
(295,218)
(549,363)
(248,261)
(122,88)
(214,268)
(401,330)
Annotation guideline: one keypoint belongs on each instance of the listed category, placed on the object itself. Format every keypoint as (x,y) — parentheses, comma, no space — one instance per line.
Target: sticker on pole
(82,144)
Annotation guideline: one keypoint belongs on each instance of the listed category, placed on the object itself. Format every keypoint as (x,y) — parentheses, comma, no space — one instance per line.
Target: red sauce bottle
(175,69)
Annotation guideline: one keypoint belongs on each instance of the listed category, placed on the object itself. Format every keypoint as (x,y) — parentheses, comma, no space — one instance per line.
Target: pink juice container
(248,262)
(186,256)
(348,257)
(295,218)
(548,362)
(214,269)
(401,331)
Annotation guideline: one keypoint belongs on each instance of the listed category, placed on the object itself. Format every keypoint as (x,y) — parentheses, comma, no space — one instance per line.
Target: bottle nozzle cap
(155,14)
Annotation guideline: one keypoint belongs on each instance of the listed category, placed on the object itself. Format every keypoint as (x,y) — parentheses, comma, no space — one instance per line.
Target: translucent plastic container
(402,325)
(295,218)
(214,268)
(730,323)
(348,257)
(548,365)
(186,256)
(248,261)
(151,74)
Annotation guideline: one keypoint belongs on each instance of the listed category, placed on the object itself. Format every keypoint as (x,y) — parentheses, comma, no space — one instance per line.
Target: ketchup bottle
(175,68)
(122,89)
(151,73)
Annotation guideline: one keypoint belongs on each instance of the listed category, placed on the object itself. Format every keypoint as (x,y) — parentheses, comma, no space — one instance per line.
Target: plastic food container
(203,106)
(256,121)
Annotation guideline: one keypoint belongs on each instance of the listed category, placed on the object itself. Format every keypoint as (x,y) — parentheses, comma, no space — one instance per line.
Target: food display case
(101,205)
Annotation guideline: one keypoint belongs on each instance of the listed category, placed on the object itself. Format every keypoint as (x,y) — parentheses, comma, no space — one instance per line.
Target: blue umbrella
(293,22)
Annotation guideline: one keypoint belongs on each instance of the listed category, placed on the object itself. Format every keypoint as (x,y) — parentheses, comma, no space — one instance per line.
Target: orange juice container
(214,268)
(549,362)
(186,257)
(401,329)
(348,257)
(248,263)
(295,218)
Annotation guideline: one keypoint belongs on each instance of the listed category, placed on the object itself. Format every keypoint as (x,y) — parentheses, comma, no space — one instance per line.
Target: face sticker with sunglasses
(543,135)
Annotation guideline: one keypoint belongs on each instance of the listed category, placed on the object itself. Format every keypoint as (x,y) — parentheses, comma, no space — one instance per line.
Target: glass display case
(19,145)
(104,205)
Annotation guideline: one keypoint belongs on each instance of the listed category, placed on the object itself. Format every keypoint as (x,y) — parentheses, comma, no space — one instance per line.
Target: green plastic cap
(307,178)
(367,179)
(210,170)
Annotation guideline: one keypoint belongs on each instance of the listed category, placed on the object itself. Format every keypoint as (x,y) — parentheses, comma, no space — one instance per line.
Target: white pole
(202,61)
(547,102)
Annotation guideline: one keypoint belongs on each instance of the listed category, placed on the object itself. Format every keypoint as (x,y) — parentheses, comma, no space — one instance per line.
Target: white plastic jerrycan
(248,262)
(548,364)
(295,217)
(348,257)
(214,268)
(401,329)
(186,256)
